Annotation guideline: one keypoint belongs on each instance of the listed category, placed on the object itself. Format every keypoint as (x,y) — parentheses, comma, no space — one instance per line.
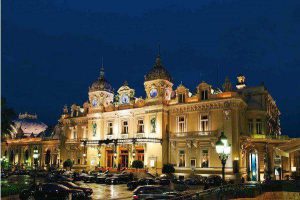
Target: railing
(124,135)
(139,135)
(193,134)
(263,136)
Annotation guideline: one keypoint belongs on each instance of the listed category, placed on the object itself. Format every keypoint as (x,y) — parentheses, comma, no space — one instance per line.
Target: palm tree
(7,115)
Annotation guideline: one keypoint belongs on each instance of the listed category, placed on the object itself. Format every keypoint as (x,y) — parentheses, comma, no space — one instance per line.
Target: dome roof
(28,124)
(101,84)
(158,72)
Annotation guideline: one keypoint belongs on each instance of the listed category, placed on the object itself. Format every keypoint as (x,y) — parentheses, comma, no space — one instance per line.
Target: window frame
(179,123)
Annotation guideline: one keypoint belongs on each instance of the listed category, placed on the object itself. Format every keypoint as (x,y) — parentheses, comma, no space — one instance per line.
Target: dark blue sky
(51,50)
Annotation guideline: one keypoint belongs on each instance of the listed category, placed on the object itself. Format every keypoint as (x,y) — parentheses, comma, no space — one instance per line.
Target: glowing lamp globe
(223,138)
(219,147)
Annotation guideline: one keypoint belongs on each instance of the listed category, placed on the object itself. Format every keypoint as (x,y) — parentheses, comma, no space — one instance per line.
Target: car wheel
(31,197)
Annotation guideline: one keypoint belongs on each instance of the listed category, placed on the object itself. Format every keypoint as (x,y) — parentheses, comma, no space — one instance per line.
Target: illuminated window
(258,126)
(125,127)
(204,158)
(110,128)
(204,123)
(140,126)
(181,98)
(74,133)
(181,124)
(193,163)
(181,158)
(204,94)
(250,126)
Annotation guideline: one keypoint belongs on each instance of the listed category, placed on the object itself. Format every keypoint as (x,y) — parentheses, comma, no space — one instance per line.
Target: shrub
(138,164)
(68,163)
(168,169)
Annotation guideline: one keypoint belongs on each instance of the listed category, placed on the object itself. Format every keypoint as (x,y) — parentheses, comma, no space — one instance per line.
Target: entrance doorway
(124,158)
(253,166)
(109,158)
(140,154)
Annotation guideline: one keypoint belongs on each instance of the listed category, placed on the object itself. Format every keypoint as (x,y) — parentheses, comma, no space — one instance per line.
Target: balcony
(124,135)
(110,136)
(139,135)
(193,134)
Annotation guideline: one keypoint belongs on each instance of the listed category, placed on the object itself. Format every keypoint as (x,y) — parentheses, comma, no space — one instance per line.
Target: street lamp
(223,149)
(35,158)
(133,153)
(99,156)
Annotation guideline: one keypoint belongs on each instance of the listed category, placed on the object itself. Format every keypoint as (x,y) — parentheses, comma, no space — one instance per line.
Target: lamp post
(223,149)
(99,156)
(35,158)
(115,159)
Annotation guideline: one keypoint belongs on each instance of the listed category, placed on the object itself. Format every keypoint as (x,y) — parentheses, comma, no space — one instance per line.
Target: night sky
(52,50)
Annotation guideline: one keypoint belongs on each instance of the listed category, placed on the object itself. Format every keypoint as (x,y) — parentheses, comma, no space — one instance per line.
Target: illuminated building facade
(171,126)
(29,134)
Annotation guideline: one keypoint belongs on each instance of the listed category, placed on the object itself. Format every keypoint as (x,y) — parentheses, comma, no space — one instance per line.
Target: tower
(158,83)
(101,92)
(241,81)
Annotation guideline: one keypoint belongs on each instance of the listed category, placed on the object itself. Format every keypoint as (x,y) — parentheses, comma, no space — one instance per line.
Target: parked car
(154,192)
(144,181)
(54,177)
(213,181)
(163,181)
(103,176)
(90,179)
(51,191)
(87,191)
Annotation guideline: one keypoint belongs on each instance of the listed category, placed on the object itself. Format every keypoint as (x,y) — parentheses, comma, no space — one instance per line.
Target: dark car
(163,181)
(90,179)
(103,176)
(154,192)
(70,185)
(213,181)
(51,191)
(144,181)
(115,179)
(53,177)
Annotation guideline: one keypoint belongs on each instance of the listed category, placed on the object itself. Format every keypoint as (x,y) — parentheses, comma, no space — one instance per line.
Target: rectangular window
(258,126)
(181,98)
(110,128)
(125,127)
(181,124)
(204,94)
(204,158)
(181,158)
(140,126)
(204,123)
(250,126)
(78,161)
(193,163)
(74,133)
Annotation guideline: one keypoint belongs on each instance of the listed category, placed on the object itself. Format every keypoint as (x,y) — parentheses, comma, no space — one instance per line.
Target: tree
(68,163)
(7,115)
(168,169)
(138,164)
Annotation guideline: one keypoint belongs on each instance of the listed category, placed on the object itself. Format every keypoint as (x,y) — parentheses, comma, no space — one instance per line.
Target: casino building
(177,126)
(170,125)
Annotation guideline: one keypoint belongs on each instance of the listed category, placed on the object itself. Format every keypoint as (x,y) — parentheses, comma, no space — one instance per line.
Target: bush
(168,169)
(138,164)
(68,163)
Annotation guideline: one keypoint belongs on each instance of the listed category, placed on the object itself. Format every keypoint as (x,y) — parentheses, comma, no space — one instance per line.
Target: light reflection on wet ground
(102,191)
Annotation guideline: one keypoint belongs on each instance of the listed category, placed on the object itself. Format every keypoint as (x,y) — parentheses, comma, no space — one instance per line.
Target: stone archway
(253,165)
(11,156)
(48,157)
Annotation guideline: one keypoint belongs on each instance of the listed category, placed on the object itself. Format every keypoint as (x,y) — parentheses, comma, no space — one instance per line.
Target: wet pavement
(102,191)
